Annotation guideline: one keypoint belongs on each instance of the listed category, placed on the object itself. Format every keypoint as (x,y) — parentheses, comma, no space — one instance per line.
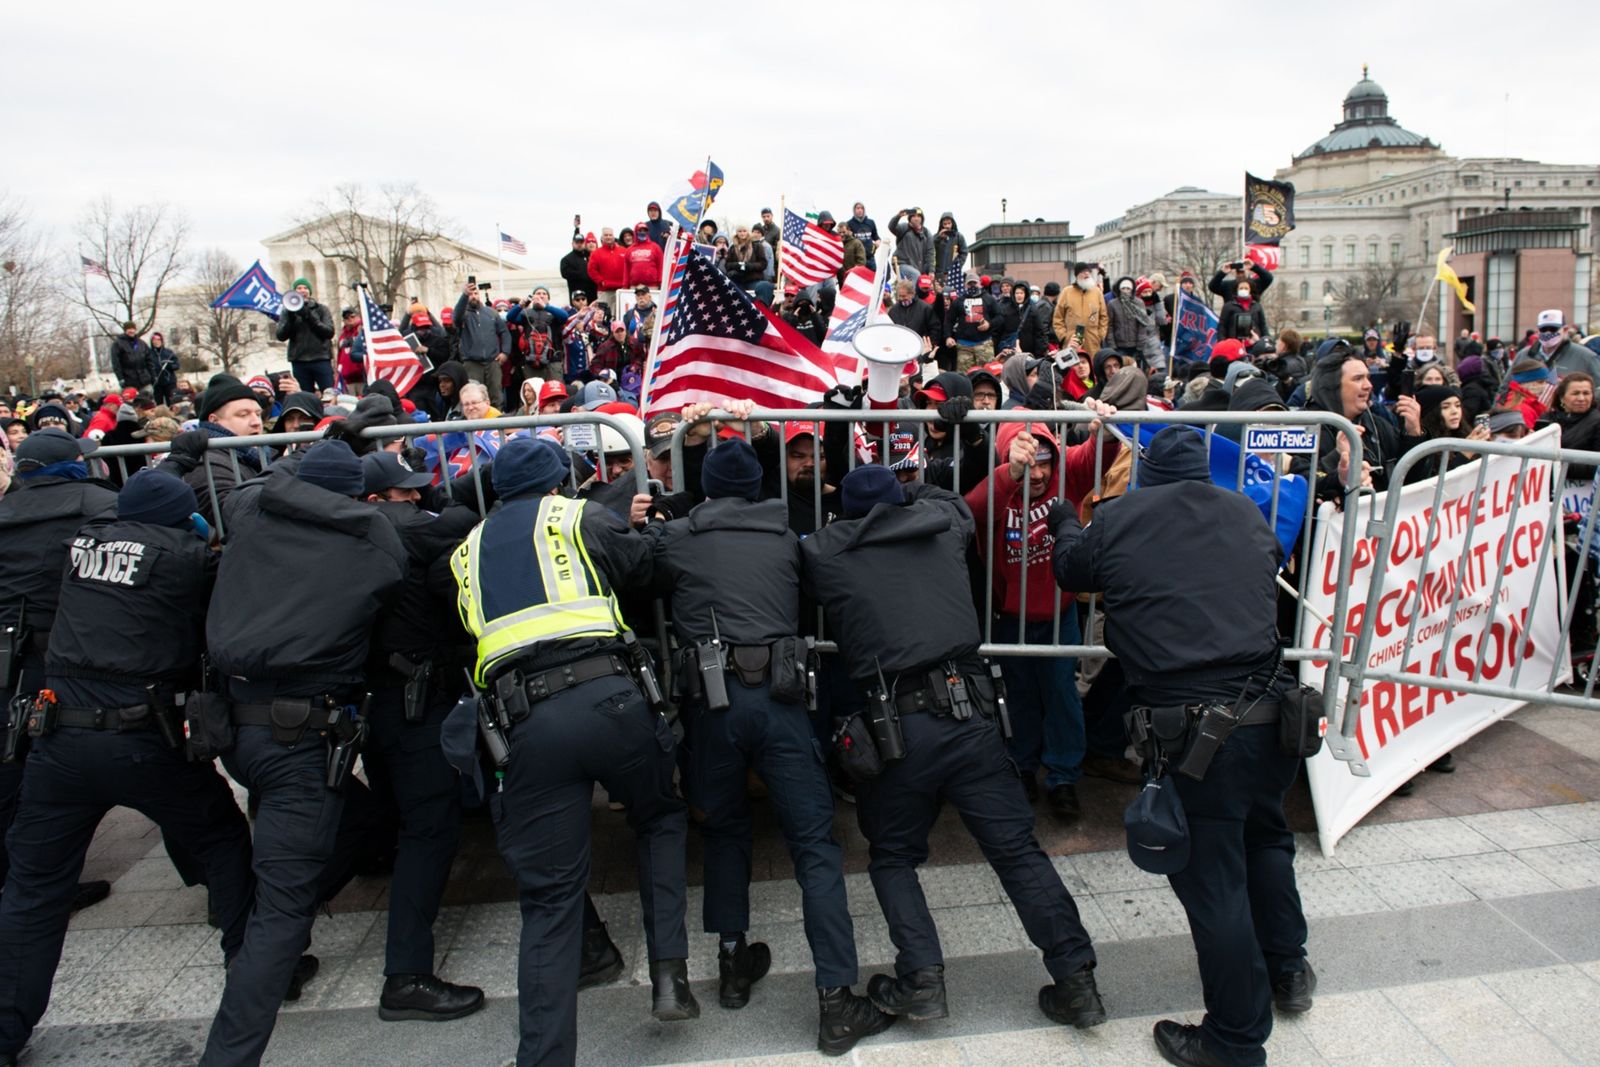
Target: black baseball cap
(51,445)
(386,470)
(658,432)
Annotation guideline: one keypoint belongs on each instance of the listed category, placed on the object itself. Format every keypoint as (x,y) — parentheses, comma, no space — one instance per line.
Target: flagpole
(777,270)
(667,263)
(499,262)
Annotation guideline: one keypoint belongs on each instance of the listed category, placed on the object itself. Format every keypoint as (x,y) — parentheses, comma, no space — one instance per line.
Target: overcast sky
(242,112)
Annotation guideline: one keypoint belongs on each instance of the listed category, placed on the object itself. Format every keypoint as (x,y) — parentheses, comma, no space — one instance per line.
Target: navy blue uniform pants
(777,740)
(403,761)
(598,731)
(308,841)
(966,764)
(72,779)
(1239,888)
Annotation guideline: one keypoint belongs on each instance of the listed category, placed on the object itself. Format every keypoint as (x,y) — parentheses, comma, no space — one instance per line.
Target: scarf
(70,470)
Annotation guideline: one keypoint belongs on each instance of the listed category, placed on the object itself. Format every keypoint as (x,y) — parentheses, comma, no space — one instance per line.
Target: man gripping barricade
(891,577)
(561,709)
(732,566)
(107,730)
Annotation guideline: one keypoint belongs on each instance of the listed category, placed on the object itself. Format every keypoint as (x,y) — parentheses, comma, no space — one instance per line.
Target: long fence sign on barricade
(1461,589)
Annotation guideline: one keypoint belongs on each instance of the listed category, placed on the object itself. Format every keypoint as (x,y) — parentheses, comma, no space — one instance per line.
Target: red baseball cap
(130,393)
(1232,349)
(549,391)
(617,407)
(447,316)
(932,394)
(925,281)
(791,430)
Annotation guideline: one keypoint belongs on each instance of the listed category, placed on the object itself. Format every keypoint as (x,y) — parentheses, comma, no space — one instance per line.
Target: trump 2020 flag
(689,200)
(254,291)
(1194,329)
(1292,489)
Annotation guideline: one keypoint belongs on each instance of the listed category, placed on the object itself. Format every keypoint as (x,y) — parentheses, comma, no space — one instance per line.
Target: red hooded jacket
(1009,537)
(608,268)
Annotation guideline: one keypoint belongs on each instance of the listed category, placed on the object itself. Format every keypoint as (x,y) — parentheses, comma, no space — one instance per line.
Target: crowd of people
(439,576)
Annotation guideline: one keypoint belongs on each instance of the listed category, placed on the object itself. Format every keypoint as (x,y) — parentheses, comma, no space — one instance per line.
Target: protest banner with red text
(1405,727)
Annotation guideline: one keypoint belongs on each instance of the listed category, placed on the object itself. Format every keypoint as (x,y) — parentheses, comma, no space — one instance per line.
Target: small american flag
(511,244)
(717,345)
(94,267)
(810,253)
(389,357)
(954,280)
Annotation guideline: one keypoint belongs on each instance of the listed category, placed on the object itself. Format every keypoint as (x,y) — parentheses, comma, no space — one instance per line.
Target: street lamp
(1327,314)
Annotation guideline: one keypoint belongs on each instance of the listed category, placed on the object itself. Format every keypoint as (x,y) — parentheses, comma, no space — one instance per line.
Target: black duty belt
(929,690)
(122,720)
(261,714)
(541,685)
(1260,713)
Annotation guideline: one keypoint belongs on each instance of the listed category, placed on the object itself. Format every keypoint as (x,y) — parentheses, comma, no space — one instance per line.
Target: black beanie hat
(220,394)
(1430,397)
(731,469)
(331,465)
(156,497)
(868,486)
(527,465)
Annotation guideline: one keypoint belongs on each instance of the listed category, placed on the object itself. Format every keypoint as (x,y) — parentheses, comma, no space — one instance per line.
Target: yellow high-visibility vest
(524,576)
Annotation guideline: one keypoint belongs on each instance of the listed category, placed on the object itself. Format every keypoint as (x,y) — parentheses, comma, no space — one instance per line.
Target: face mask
(1244,293)
(1549,342)
(1425,355)
(1085,284)
(1126,290)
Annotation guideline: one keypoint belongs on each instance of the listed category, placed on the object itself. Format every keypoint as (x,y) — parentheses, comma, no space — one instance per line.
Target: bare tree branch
(143,251)
(38,340)
(390,240)
(1198,250)
(1378,292)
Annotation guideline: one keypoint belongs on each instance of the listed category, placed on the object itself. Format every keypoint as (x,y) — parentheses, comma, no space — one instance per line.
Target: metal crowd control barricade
(271,446)
(1357,671)
(911,427)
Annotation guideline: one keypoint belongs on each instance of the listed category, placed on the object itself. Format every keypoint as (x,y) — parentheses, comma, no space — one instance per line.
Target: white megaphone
(294,300)
(887,348)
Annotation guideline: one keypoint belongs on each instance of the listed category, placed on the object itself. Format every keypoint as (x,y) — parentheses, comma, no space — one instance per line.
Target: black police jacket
(132,611)
(737,558)
(302,581)
(893,583)
(1189,572)
(36,522)
(423,622)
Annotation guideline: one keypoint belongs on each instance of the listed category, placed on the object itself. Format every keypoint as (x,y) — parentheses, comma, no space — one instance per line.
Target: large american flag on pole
(95,267)
(717,345)
(810,253)
(389,358)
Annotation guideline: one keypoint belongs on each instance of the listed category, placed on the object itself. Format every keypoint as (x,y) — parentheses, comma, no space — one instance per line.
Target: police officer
(733,566)
(53,497)
(891,577)
(418,654)
(128,635)
(293,656)
(535,583)
(1239,887)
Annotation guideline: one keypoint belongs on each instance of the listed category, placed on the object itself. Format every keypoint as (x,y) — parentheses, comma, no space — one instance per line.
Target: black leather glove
(189,450)
(1061,512)
(842,396)
(955,409)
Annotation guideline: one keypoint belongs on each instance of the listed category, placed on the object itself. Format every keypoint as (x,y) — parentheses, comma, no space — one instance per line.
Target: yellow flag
(1443,273)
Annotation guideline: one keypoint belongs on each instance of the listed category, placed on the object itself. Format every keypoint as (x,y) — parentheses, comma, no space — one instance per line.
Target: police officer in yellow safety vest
(557,668)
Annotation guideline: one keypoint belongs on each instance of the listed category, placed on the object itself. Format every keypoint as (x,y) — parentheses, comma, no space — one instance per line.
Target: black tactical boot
(601,961)
(1292,992)
(918,996)
(1073,1001)
(673,1000)
(846,1019)
(739,970)
(305,969)
(425,998)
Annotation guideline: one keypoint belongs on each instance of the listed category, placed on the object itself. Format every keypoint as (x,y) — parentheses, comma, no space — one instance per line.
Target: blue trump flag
(1292,489)
(1195,330)
(254,291)
(689,200)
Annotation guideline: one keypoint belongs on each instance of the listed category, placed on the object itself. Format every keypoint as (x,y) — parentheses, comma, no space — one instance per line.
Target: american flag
(850,310)
(810,253)
(955,281)
(511,244)
(94,267)
(389,358)
(717,345)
